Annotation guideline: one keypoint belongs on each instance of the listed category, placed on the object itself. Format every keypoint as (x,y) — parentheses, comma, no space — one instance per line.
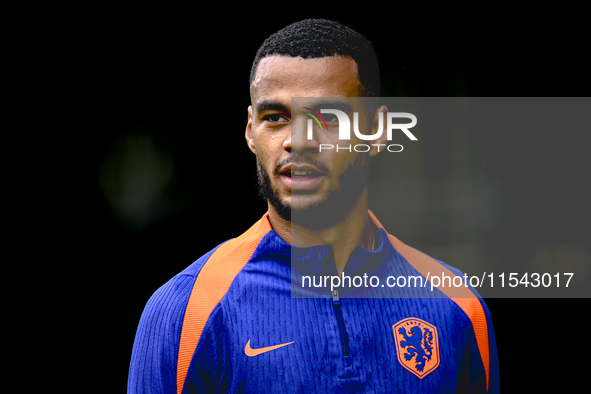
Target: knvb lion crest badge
(417,346)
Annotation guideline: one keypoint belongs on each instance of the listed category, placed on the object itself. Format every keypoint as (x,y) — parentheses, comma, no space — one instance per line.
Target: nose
(302,137)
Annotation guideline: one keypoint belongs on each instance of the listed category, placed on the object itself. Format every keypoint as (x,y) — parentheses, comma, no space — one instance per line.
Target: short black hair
(317,38)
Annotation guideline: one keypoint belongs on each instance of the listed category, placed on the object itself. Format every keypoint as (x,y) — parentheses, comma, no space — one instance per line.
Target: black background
(182,76)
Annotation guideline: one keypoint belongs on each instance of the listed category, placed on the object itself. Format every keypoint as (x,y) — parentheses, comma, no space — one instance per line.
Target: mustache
(300,160)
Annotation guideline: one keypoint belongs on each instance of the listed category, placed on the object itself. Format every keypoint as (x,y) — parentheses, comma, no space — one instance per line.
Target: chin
(317,213)
(301,203)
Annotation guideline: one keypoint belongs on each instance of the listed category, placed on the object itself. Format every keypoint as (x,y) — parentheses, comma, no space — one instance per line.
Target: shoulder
(213,276)
(155,349)
(165,308)
(470,304)
(171,293)
(223,260)
(218,265)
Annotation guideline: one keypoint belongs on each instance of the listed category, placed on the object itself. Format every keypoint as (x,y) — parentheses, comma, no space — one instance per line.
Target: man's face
(293,173)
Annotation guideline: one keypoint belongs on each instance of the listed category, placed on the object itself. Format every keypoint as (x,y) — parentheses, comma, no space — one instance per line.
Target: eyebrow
(270,106)
(340,105)
(267,105)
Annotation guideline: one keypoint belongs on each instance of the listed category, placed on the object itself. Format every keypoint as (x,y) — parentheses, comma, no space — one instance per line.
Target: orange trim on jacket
(229,259)
(211,286)
(462,296)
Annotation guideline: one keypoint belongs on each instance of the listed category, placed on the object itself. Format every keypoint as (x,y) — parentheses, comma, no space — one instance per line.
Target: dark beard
(324,213)
(267,193)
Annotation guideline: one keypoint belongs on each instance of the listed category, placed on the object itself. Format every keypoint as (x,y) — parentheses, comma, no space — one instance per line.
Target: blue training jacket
(230,322)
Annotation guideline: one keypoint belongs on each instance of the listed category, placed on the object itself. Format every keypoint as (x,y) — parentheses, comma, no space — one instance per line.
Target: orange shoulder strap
(462,296)
(211,286)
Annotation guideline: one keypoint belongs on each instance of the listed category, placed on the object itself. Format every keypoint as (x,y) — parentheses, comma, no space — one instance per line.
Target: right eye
(275,118)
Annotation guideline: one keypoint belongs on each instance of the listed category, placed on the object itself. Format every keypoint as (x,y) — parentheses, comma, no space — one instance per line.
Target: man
(240,319)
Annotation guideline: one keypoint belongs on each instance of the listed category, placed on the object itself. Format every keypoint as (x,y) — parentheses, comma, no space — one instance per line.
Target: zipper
(336,303)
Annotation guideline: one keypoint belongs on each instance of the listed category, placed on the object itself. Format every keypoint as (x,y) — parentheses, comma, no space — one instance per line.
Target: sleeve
(493,358)
(494,380)
(155,350)
(473,374)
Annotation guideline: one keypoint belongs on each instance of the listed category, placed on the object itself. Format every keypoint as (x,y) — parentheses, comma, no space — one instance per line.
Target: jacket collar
(319,260)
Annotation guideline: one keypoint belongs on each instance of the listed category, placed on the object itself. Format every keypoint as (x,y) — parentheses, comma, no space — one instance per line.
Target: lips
(301,177)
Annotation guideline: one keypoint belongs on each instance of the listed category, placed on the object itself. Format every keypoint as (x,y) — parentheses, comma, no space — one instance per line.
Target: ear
(378,145)
(248,134)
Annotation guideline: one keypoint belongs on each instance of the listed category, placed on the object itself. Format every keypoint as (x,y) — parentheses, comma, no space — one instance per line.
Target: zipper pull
(335,297)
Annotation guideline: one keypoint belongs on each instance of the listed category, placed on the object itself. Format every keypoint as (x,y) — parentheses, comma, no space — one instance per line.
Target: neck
(353,230)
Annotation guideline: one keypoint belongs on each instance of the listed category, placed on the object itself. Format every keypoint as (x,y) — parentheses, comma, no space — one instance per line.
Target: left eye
(330,117)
